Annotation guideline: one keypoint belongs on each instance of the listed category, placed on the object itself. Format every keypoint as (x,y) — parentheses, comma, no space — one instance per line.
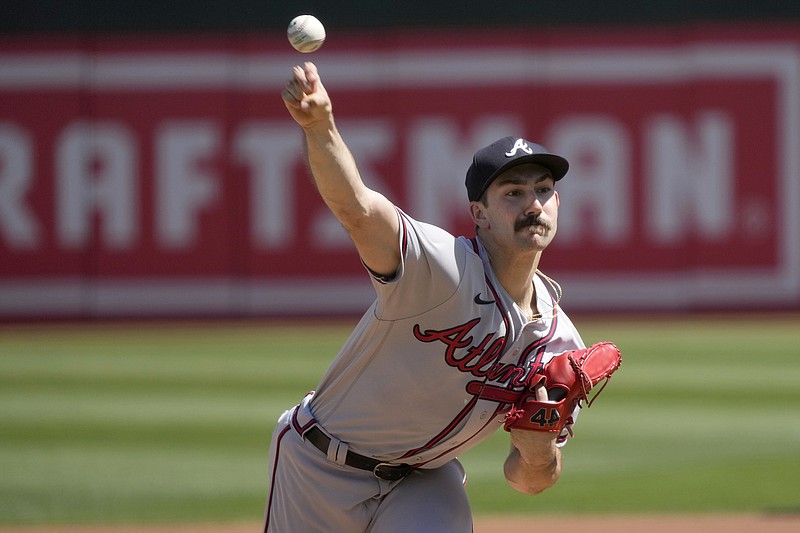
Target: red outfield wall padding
(162,175)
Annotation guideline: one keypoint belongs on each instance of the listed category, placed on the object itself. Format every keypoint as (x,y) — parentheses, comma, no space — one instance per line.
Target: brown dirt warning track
(778,523)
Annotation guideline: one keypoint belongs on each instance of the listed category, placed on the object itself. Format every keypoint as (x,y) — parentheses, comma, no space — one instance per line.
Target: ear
(558,200)
(476,211)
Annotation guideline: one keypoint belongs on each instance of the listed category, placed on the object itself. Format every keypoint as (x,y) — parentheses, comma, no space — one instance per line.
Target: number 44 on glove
(568,378)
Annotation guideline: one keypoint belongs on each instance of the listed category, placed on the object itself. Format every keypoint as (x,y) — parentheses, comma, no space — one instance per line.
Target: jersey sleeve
(431,269)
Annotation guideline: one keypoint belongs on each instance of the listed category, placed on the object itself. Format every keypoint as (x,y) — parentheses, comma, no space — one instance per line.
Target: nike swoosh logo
(481,301)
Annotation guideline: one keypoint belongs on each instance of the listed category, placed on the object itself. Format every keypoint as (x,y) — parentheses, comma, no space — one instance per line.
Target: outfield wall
(147,175)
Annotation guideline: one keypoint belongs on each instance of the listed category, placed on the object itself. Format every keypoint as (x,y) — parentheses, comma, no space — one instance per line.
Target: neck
(515,271)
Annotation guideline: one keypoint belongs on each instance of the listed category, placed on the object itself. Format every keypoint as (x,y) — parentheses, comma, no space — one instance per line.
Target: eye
(513,192)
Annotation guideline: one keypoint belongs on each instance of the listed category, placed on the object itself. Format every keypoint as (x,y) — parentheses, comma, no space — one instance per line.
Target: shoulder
(432,238)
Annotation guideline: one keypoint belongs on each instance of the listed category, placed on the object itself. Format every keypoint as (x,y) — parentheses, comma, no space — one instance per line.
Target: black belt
(387,471)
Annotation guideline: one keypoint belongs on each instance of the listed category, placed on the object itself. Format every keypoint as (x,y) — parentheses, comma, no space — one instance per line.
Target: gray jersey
(410,383)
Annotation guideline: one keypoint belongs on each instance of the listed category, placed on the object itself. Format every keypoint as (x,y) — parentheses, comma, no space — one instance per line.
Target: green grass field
(111,423)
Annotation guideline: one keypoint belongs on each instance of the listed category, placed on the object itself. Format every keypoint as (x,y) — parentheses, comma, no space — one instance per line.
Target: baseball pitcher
(465,336)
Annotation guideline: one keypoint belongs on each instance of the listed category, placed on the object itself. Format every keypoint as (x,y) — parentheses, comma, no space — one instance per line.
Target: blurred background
(170,281)
(149,169)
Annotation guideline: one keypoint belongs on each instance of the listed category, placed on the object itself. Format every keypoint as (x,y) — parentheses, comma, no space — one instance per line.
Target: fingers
(312,76)
(293,93)
(300,78)
(304,82)
(541,392)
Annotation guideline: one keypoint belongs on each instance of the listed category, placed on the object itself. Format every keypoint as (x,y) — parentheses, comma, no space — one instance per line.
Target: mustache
(531,220)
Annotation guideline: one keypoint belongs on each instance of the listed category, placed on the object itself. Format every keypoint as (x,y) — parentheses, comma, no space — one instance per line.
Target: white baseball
(306,33)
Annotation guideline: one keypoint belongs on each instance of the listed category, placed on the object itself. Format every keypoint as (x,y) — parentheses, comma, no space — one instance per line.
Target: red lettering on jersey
(508,373)
(454,338)
(480,360)
(489,358)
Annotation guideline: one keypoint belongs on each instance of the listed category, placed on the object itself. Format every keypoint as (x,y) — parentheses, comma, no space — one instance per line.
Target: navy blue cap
(493,160)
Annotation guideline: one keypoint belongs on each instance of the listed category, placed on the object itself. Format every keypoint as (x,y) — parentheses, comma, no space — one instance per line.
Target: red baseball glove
(568,378)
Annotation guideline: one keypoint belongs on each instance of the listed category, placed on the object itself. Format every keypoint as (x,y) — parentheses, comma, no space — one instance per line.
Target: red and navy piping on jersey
(531,358)
(302,428)
(445,432)
(489,420)
(537,348)
(403,247)
(274,467)
(465,412)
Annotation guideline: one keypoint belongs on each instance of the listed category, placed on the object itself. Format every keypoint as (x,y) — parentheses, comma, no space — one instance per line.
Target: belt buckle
(390,472)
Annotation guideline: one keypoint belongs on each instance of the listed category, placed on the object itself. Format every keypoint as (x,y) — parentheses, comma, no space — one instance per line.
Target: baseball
(306,33)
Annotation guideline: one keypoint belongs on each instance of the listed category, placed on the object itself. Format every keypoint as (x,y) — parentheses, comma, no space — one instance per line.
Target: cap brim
(557,165)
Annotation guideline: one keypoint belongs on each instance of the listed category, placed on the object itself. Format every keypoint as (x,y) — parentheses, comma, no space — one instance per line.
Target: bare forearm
(335,172)
(535,470)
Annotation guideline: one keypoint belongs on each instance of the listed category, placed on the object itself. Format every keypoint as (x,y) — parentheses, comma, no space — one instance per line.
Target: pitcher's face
(519,208)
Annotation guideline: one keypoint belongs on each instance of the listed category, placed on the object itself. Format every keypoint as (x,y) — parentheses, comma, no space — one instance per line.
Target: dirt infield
(595,524)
